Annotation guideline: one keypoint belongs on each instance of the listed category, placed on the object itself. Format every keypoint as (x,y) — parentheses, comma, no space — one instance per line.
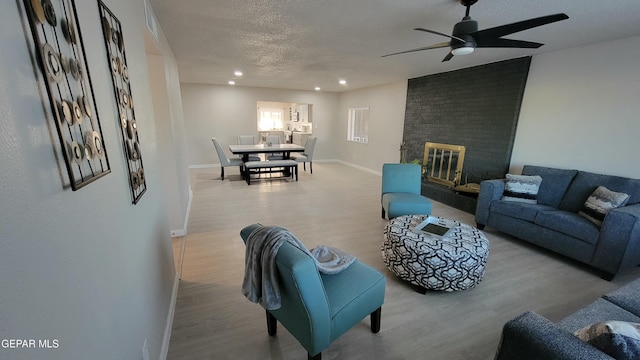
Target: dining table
(246,150)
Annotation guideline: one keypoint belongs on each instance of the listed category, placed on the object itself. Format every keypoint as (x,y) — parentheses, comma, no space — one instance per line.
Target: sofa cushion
(521,188)
(600,202)
(522,211)
(570,224)
(585,183)
(597,311)
(554,183)
(627,297)
(619,339)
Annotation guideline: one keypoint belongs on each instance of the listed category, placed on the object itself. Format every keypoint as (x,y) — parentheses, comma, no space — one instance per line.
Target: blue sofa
(554,223)
(530,336)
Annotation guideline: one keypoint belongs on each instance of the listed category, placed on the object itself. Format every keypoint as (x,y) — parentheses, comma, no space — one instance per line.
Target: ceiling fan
(466,37)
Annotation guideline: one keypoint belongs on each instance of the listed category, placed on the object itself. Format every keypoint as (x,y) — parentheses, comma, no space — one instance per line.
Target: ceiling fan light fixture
(465,50)
(465,36)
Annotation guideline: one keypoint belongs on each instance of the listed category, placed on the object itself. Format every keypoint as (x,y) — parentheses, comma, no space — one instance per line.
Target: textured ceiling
(300,44)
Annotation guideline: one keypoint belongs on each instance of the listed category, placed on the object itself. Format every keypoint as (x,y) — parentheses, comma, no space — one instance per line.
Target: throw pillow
(522,188)
(618,339)
(601,201)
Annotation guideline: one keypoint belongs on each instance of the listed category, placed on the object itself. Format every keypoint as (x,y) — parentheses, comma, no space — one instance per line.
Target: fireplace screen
(443,165)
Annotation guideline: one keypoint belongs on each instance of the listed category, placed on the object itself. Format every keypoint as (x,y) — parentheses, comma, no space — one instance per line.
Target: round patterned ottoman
(452,262)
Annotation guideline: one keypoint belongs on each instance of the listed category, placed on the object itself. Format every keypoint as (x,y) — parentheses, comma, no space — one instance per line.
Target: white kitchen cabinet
(300,138)
(300,113)
(303,110)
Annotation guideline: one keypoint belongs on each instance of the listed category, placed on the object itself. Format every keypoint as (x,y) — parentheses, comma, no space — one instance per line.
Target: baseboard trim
(178,233)
(164,351)
(183,231)
(360,168)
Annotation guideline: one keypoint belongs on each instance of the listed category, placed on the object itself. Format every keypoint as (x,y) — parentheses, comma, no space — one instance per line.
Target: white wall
(164,83)
(225,112)
(581,110)
(387,104)
(84,267)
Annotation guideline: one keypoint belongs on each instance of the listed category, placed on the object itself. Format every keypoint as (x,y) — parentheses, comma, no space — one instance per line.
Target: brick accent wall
(477,107)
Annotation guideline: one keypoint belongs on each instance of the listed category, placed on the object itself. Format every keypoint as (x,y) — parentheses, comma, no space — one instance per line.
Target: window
(269,119)
(358,125)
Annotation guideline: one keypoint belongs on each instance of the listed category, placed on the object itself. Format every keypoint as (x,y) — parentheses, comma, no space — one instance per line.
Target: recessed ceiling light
(231,82)
(238,73)
(317,88)
(343,82)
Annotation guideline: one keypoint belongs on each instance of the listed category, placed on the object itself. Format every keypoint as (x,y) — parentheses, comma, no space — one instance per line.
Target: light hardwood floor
(340,206)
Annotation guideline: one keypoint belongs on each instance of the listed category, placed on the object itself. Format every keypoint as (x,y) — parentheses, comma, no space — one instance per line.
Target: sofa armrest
(490,190)
(618,247)
(530,336)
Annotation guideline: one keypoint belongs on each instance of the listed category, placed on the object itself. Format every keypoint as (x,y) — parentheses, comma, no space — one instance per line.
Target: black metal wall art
(60,54)
(114,42)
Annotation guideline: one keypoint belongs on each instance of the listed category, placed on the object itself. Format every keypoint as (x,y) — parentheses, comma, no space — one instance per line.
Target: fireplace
(476,108)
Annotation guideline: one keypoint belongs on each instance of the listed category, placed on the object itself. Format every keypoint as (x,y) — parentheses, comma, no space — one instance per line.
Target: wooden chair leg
(375,320)
(317,357)
(383,213)
(272,324)
(304,166)
(311,167)
(222,173)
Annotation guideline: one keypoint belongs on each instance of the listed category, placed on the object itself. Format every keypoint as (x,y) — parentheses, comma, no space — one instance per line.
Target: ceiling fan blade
(448,57)
(434,46)
(498,31)
(439,33)
(508,43)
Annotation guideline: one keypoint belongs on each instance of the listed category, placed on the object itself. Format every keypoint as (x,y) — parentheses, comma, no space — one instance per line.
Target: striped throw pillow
(600,202)
(522,188)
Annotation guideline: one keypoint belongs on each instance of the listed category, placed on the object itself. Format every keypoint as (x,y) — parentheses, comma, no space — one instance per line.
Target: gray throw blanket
(260,284)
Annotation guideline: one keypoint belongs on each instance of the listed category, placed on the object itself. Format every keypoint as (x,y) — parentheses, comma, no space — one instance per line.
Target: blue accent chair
(401,191)
(318,308)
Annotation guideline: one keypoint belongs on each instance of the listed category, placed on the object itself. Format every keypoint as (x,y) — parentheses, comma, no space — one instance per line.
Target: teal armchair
(401,191)
(318,308)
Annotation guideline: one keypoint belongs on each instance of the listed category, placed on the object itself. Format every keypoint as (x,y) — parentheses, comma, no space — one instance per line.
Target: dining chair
(401,191)
(274,139)
(307,155)
(224,160)
(318,308)
(249,140)
(246,140)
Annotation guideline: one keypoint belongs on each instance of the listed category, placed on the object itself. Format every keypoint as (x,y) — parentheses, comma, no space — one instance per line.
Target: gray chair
(246,140)
(249,140)
(226,161)
(307,155)
(274,139)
